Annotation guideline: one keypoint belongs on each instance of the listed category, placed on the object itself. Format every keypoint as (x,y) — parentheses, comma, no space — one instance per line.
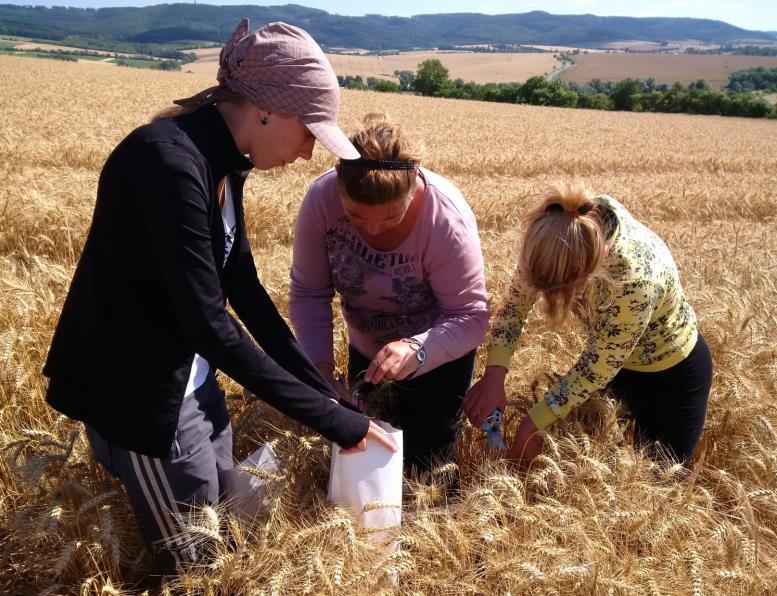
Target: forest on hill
(124,29)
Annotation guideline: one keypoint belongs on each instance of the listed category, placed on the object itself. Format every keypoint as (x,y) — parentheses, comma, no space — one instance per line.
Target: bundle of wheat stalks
(591,516)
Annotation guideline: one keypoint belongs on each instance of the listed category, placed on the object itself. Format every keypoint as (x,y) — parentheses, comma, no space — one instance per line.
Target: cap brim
(333,139)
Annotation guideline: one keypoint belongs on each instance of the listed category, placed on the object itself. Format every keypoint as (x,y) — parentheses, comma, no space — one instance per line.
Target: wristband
(418,348)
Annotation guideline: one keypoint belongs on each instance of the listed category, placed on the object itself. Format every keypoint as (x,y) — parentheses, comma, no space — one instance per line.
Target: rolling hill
(185,23)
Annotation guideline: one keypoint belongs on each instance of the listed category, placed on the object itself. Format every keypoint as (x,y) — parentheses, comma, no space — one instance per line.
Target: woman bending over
(399,244)
(587,255)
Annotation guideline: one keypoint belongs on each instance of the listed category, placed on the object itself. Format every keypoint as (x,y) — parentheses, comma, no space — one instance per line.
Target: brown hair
(210,96)
(378,139)
(562,248)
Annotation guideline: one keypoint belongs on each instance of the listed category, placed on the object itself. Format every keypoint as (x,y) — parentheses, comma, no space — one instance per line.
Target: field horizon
(611,64)
(592,515)
(516,68)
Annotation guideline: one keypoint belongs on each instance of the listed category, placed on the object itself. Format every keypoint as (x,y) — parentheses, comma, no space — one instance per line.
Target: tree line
(637,95)
(754,79)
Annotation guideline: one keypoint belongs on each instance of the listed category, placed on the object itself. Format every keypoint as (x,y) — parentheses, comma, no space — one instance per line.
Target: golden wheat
(591,516)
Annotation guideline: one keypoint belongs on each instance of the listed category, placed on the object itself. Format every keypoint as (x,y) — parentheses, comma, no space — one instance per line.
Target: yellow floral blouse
(638,319)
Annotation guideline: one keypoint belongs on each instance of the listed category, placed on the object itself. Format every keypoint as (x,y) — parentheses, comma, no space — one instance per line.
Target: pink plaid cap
(280,68)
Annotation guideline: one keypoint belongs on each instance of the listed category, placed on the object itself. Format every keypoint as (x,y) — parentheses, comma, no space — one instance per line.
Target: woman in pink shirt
(400,245)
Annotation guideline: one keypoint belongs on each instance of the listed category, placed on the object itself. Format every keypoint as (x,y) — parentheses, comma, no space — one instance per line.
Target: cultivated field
(591,517)
(665,68)
(207,62)
(654,46)
(34,45)
(470,66)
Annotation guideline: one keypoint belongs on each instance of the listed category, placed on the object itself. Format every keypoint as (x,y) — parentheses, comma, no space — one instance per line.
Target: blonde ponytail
(563,245)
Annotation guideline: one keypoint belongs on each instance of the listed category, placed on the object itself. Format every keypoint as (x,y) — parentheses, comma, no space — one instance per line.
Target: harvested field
(592,516)
(665,68)
(478,67)
(470,66)
(653,46)
(568,49)
(54,47)
(634,45)
(207,62)
(47,46)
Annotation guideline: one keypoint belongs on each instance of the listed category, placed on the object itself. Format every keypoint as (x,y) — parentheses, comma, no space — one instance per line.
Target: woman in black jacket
(145,321)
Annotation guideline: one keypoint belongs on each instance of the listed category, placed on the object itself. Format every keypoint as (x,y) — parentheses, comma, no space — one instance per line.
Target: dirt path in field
(557,72)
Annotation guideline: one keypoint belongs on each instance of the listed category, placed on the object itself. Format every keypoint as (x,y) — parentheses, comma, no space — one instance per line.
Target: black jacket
(150,291)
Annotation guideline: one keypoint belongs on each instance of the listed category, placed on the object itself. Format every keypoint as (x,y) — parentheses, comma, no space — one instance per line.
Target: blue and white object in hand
(493,427)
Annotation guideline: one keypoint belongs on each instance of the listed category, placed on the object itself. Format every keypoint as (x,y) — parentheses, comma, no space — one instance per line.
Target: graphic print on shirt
(229,239)
(228,217)
(396,279)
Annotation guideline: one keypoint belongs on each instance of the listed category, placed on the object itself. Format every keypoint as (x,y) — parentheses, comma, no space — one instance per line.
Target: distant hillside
(179,23)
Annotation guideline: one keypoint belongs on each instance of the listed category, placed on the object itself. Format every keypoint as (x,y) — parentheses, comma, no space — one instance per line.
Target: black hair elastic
(380,164)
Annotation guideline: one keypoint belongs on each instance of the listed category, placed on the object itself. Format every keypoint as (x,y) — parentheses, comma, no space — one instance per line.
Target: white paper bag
(249,494)
(369,484)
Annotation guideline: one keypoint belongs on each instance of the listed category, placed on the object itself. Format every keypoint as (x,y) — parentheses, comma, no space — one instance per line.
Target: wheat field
(592,516)
(664,68)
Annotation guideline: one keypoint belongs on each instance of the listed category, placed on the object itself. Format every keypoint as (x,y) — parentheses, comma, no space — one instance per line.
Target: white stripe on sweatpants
(169,510)
(174,506)
(160,522)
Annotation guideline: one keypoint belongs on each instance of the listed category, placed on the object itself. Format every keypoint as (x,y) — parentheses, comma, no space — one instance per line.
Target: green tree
(534,91)
(406,78)
(561,96)
(385,86)
(647,102)
(749,105)
(594,101)
(623,95)
(701,85)
(169,65)
(753,79)
(431,78)
(351,82)
(600,86)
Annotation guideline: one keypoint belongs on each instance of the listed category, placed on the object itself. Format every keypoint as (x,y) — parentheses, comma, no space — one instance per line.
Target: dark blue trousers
(163,491)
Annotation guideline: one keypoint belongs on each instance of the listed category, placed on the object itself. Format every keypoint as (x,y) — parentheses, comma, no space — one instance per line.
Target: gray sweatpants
(162,491)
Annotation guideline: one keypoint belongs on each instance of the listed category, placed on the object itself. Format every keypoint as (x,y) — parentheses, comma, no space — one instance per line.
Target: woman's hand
(395,361)
(487,395)
(374,433)
(527,443)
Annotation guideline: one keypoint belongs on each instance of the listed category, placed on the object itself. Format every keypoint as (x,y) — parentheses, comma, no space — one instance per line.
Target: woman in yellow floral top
(587,255)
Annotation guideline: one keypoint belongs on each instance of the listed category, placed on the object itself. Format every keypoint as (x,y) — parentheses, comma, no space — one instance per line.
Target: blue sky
(749,14)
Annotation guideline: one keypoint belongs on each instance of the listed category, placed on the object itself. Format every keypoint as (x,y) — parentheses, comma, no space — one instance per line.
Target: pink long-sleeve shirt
(431,287)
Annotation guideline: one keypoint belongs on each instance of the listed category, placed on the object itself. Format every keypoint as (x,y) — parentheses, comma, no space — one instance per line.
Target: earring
(263,120)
